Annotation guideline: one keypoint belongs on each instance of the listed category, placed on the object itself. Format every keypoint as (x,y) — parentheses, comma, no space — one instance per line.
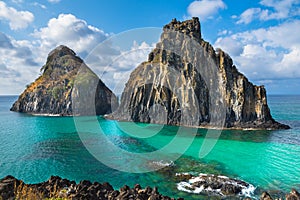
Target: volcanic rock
(66,80)
(187,82)
(58,188)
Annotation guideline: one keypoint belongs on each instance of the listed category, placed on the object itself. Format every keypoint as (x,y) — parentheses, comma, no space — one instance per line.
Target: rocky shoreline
(59,188)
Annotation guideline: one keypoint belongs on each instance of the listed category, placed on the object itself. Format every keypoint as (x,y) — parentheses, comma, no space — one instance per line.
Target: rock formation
(58,188)
(211,184)
(65,80)
(187,82)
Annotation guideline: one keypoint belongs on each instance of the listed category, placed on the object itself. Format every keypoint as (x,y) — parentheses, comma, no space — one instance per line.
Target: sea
(33,148)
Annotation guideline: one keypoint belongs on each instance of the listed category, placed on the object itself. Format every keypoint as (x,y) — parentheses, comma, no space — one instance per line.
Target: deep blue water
(33,148)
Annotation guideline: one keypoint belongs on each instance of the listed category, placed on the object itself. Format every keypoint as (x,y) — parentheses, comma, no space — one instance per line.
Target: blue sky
(262,37)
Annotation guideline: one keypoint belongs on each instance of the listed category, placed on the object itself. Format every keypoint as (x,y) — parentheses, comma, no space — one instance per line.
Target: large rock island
(187,82)
(65,80)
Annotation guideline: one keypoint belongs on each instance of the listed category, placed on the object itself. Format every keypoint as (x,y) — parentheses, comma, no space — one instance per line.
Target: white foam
(183,186)
(179,174)
(163,163)
(46,115)
(247,191)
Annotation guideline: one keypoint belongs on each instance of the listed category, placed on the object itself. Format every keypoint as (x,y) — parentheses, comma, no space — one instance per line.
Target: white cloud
(18,67)
(17,19)
(290,62)
(111,58)
(23,59)
(224,32)
(248,15)
(131,59)
(205,8)
(68,30)
(39,5)
(274,10)
(266,53)
(230,45)
(54,1)
(115,68)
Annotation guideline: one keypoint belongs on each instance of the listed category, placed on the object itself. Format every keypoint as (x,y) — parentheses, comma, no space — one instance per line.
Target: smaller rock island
(52,93)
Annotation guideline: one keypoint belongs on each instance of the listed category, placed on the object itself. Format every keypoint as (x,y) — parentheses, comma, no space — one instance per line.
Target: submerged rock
(66,80)
(187,82)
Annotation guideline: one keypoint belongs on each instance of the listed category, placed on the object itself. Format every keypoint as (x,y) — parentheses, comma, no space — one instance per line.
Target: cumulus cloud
(137,54)
(5,41)
(273,10)
(205,8)
(111,58)
(16,19)
(229,44)
(266,53)
(18,67)
(68,30)
(115,68)
(23,58)
(248,15)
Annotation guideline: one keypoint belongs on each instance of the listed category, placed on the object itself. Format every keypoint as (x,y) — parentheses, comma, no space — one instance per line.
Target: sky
(262,37)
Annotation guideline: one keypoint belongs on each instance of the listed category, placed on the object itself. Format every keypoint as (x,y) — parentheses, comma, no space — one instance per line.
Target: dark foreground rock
(66,87)
(56,187)
(293,195)
(185,81)
(210,184)
(225,187)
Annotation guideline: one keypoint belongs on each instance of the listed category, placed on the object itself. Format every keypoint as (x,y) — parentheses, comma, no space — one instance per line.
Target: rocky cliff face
(66,80)
(187,82)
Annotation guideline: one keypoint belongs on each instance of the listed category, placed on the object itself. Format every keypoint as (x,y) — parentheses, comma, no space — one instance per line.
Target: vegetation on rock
(65,79)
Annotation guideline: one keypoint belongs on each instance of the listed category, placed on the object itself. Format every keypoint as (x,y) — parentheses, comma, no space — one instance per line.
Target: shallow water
(34,147)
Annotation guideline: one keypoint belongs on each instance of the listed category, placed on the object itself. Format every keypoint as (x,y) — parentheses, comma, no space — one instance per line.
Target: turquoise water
(33,148)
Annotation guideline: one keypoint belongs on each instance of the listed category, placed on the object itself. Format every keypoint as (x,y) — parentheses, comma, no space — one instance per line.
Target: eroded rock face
(187,82)
(66,79)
